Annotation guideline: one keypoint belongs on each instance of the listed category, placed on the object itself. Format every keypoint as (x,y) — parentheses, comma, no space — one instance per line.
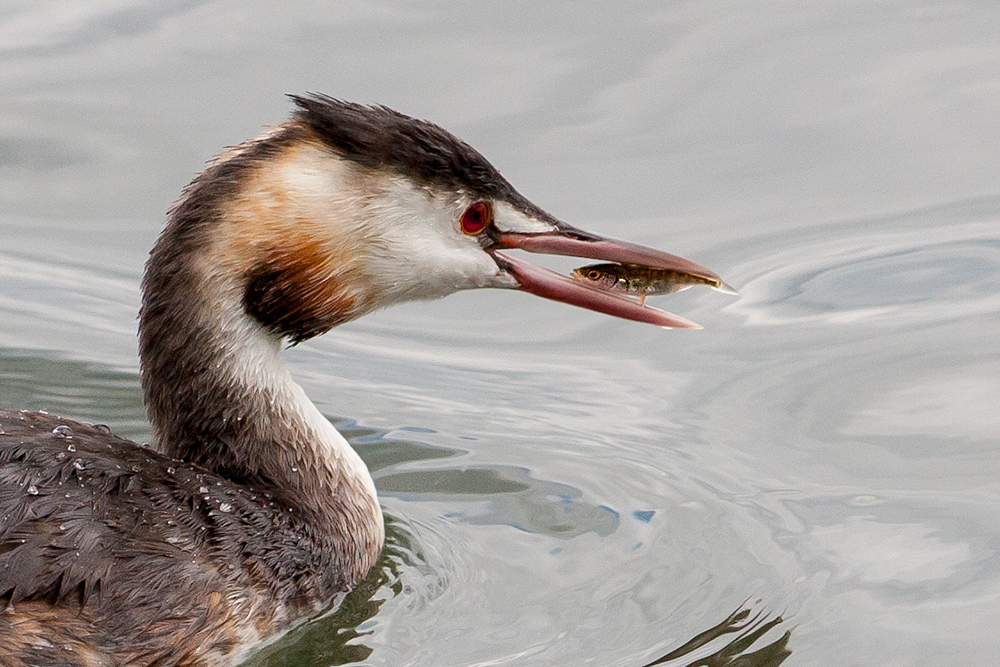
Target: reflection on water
(338,637)
(750,628)
(484,495)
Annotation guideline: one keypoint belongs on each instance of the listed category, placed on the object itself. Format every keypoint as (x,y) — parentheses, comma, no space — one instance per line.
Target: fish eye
(477,218)
(594,274)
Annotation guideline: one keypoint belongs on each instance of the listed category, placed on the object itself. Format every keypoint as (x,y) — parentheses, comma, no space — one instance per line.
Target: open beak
(576,243)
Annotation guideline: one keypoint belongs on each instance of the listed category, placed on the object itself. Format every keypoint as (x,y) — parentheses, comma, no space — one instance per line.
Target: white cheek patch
(418,250)
(506,218)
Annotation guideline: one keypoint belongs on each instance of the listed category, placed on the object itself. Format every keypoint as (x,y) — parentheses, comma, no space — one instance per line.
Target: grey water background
(565,488)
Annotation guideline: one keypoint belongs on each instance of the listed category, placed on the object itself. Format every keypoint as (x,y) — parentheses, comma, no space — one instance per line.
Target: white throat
(253,358)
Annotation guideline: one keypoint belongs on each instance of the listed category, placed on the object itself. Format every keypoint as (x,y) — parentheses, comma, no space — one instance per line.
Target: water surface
(564,488)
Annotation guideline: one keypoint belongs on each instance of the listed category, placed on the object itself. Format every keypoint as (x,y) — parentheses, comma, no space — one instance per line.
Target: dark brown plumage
(109,535)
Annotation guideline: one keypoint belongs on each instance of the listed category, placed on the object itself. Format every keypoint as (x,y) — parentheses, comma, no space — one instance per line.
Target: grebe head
(348,208)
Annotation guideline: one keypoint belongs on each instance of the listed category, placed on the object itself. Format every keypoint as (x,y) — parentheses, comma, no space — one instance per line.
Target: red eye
(477,218)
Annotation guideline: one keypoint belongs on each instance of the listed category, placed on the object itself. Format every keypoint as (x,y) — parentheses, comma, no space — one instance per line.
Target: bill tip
(726,289)
(692,326)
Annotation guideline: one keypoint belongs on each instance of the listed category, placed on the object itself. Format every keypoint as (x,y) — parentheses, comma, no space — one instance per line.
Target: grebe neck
(218,392)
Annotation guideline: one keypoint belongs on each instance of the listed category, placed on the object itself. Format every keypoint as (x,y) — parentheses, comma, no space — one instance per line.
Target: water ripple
(915,270)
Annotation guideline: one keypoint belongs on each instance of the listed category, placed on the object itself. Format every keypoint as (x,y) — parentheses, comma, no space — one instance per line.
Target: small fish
(641,281)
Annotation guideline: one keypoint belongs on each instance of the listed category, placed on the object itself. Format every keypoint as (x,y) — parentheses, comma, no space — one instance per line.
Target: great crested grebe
(255,512)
